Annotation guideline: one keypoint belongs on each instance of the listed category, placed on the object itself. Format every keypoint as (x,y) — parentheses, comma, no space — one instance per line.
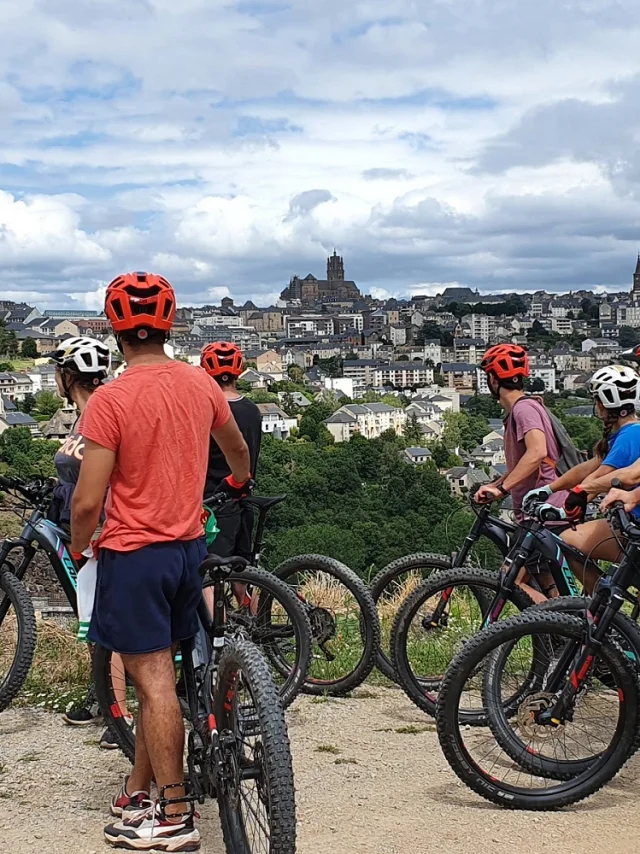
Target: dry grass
(328,748)
(325,591)
(61,669)
(388,606)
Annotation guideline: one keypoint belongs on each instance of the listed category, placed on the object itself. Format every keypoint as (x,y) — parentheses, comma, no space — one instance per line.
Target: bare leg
(536,595)
(162,729)
(595,540)
(142,772)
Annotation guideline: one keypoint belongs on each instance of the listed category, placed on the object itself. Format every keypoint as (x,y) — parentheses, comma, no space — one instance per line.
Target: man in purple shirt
(530,446)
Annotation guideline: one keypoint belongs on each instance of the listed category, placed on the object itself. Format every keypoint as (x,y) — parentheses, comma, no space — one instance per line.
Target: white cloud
(491,144)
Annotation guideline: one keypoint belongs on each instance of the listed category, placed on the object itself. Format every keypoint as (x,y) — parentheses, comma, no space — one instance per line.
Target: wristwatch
(504,491)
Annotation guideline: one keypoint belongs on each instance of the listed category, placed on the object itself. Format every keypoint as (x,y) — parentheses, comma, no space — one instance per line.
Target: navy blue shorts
(147,599)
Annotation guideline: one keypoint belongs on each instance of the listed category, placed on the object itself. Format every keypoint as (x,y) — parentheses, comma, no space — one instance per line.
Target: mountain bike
(399,578)
(343,617)
(560,695)
(238,749)
(435,621)
(277,621)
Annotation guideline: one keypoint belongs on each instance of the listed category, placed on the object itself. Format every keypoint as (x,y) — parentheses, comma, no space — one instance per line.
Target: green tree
(8,343)
(584,432)
(48,403)
(295,373)
(412,431)
(628,336)
(331,367)
(26,456)
(485,405)
(311,424)
(29,349)
(27,405)
(403,358)
(7,366)
(288,404)
(536,384)
(260,395)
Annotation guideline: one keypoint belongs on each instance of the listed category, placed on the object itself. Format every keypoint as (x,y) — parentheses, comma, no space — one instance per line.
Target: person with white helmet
(616,398)
(82,366)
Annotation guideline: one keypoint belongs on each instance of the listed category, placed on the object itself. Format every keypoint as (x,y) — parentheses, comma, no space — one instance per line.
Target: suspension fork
(507,577)
(459,558)
(604,606)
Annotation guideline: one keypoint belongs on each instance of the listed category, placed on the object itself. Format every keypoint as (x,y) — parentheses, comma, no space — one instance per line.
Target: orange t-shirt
(158,419)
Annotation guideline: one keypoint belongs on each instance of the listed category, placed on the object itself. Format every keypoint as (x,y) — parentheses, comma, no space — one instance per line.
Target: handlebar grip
(6,483)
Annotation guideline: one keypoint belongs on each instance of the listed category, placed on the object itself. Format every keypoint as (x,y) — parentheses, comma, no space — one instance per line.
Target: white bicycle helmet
(84,355)
(616,387)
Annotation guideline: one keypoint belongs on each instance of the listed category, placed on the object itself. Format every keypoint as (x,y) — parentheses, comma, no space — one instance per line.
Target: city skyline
(231,145)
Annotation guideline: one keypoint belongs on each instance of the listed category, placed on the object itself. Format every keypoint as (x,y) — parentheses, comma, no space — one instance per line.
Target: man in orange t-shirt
(147,437)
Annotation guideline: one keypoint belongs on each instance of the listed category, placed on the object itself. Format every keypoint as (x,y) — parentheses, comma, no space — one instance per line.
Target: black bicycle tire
(369,622)
(280,590)
(565,793)
(483,578)
(558,769)
(18,597)
(387,576)
(123,733)
(245,656)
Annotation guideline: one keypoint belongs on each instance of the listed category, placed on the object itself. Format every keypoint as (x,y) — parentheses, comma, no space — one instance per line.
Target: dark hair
(90,382)
(601,447)
(154,336)
(510,383)
(226,380)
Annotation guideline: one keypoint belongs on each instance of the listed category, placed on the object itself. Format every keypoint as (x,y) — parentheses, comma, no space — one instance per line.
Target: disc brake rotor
(527,713)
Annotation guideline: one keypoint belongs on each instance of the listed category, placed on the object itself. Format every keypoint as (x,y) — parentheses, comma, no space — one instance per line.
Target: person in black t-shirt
(224,362)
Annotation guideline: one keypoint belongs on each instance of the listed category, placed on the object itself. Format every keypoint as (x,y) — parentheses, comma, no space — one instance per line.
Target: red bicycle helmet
(222,357)
(140,299)
(506,361)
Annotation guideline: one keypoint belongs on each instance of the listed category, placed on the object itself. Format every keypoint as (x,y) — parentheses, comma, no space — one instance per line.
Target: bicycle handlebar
(32,493)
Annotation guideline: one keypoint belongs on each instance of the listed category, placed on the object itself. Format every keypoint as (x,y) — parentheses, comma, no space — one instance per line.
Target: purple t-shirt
(529,414)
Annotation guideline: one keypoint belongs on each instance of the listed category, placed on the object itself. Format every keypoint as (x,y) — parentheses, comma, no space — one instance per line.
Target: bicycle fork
(606,603)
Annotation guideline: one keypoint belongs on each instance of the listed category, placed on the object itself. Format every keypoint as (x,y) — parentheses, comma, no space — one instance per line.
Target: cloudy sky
(229,145)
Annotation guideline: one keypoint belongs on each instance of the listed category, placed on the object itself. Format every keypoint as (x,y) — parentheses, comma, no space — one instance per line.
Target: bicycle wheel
(17,636)
(389,589)
(601,727)
(433,624)
(254,775)
(276,621)
(626,635)
(113,691)
(344,622)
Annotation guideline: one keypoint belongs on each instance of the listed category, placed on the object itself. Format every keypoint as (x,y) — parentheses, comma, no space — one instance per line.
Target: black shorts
(236,532)
(147,599)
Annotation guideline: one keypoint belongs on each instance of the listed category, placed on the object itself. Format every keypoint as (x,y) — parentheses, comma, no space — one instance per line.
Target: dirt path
(400,797)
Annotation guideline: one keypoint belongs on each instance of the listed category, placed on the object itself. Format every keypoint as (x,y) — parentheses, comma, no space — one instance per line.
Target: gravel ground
(398,796)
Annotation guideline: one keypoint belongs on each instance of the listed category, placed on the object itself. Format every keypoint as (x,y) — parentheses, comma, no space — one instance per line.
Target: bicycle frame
(611,592)
(53,541)
(499,532)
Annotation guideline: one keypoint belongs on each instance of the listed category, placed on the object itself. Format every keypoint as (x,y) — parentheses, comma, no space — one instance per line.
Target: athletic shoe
(125,803)
(81,717)
(108,740)
(148,831)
